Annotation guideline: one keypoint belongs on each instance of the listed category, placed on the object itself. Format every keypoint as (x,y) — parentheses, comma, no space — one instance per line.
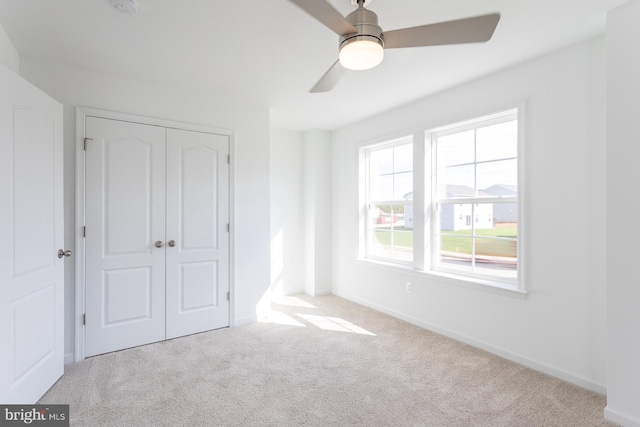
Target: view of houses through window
(476,201)
(390,185)
(473,199)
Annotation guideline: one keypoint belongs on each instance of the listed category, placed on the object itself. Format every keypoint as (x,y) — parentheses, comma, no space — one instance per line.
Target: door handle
(62,253)
(171,243)
(159,244)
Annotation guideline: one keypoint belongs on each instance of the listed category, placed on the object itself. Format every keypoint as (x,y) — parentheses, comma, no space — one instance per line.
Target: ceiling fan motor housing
(366,22)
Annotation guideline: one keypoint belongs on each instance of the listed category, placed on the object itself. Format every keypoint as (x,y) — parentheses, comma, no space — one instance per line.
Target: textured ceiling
(270,53)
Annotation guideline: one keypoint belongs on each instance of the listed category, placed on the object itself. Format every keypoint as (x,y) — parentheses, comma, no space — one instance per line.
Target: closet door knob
(62,253)
(159,244)
(171,243)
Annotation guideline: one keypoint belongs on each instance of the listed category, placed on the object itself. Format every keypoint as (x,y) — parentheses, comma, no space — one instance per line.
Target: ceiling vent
(130,7)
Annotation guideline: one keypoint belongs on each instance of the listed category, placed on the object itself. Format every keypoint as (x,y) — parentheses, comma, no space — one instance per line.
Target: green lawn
(402,238)
(460,241)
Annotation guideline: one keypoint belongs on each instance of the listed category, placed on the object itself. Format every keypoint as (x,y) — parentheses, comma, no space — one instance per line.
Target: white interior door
(197,218)
(31,233)
(125,217)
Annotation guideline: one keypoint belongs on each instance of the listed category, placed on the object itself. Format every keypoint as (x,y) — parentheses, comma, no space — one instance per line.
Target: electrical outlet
(409,287)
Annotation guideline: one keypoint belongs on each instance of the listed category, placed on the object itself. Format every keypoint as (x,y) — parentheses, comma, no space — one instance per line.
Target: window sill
(453,279)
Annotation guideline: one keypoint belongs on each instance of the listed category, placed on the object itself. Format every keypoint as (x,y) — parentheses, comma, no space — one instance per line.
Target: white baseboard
(69,358)
(239,321)
(522,360)
(618,418)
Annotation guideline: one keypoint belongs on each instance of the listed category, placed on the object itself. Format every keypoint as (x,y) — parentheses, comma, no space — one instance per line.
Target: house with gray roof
(462,216)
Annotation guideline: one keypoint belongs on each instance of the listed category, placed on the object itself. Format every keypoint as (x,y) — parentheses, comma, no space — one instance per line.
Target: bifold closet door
(198,239)
(125,217)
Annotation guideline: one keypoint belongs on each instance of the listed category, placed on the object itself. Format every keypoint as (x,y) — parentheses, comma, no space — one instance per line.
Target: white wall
(8,55)
(287,212)
(300,212)
(79,87)
(317,212)
(560,327)
(623,200)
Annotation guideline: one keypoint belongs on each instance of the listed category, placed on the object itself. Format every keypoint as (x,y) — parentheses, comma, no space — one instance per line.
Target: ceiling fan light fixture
(362,41)
(361,53)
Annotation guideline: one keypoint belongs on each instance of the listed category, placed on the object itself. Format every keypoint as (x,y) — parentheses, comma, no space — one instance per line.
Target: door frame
(81,114)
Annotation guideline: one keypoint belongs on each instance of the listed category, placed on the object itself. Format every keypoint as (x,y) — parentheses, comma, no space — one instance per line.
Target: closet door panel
(197,216)
(125,216)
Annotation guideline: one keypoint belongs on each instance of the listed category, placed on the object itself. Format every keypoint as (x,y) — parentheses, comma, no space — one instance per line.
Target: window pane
(456,181)
(488,249)
(456,217)
(381,247)
(389,237)
(403,158)
(403,186)
(382,216)
(501,229)
(483,217)
(486,219)
(456,148)
(506,215)
(489,227)
(380,230)
(455,252)
(381,162)
(381,187)
(497,257)
(403,244)
(497,141)
(501,173)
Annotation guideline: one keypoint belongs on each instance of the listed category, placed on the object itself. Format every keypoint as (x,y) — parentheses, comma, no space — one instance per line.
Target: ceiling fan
(362,41)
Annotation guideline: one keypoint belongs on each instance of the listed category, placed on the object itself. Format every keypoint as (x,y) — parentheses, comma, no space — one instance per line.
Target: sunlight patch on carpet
(292,302)
(334,324)
(280,318)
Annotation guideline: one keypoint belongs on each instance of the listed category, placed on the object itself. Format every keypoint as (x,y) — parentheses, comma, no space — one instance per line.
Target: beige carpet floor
(318,361)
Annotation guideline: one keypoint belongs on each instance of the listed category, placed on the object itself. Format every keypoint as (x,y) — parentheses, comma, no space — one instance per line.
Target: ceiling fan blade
(468,30)
(329,79)
(325,13)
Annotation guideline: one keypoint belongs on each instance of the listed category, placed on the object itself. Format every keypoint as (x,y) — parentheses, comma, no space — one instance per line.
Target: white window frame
(431,136)
(424,208)
(365,152)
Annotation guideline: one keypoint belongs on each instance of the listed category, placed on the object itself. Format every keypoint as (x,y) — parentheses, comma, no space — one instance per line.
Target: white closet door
(197,218)
(125,217)
(31,233)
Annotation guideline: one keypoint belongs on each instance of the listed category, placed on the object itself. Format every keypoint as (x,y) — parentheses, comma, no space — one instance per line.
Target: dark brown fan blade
(325,13)
(329,79)
(468,30)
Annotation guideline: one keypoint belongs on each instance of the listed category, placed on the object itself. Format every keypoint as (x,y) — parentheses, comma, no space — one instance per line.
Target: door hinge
(85,142)
(84,231)
(84,319)
(228,296)
(228,228)
(229,158)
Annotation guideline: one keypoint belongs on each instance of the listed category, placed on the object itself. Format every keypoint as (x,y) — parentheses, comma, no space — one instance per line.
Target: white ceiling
(270,53)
